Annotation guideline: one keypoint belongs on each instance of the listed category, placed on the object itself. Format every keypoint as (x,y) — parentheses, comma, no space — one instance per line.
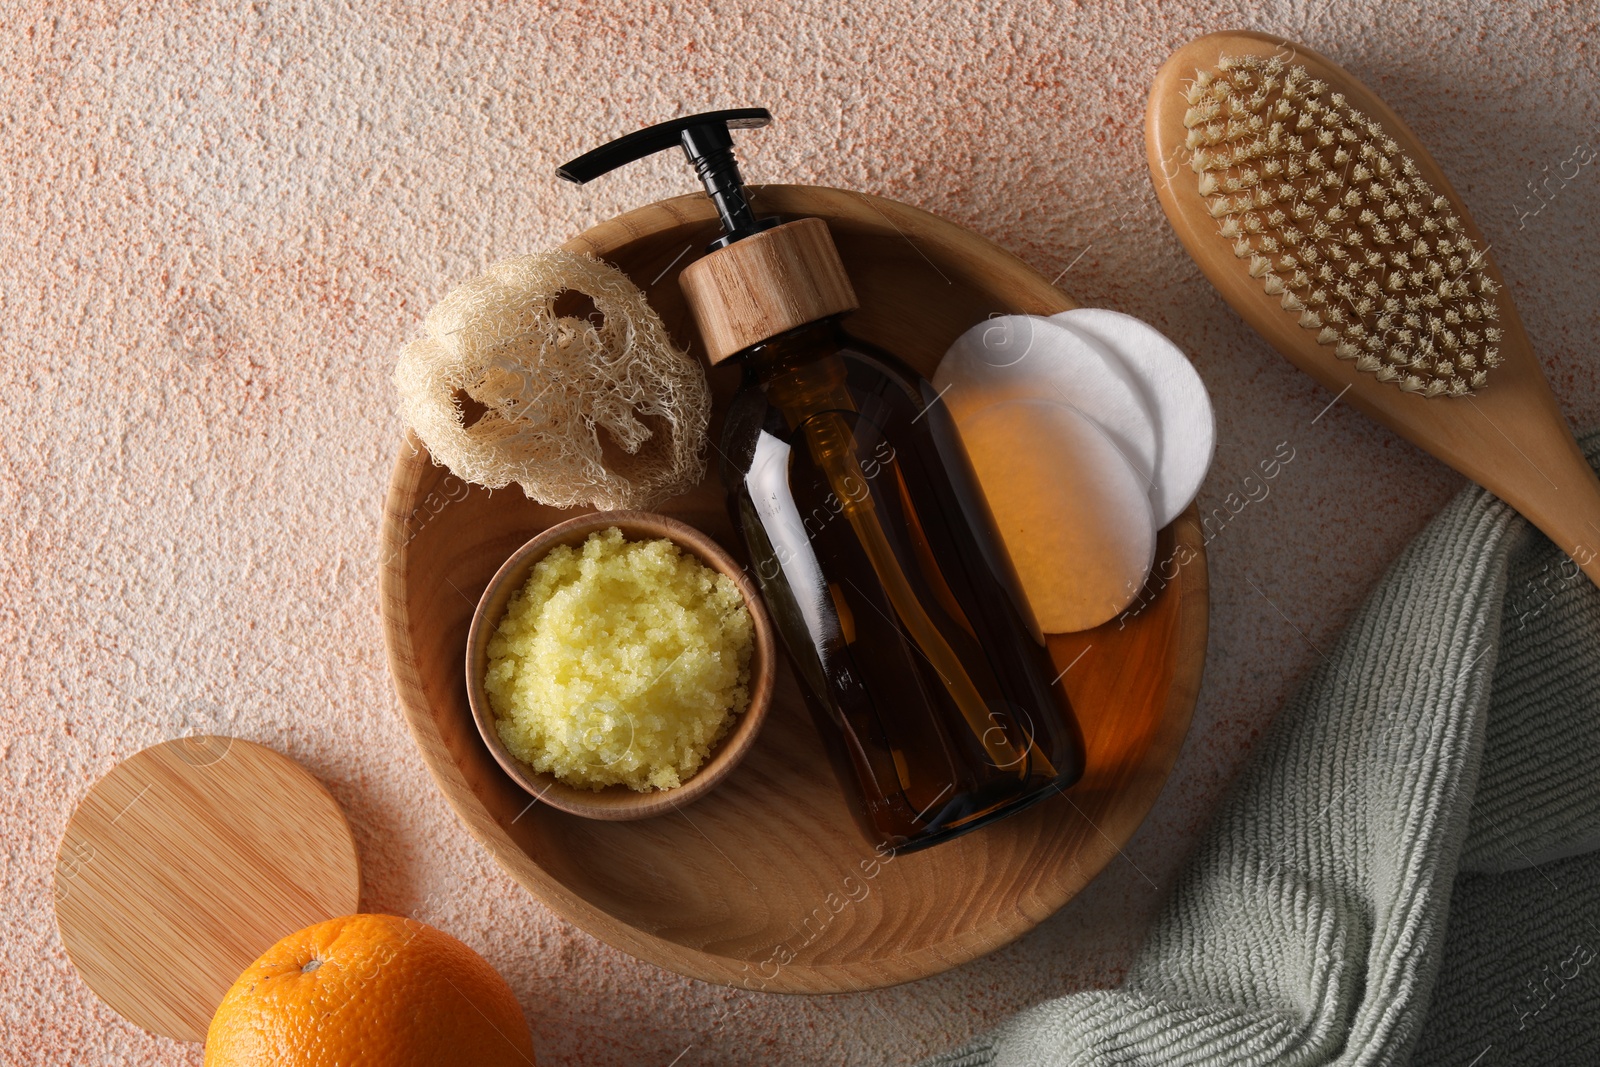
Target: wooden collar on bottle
(764,284)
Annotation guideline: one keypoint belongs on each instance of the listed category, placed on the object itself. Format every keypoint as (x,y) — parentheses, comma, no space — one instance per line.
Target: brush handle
(1566,507)
(1512,438)
(1523,453)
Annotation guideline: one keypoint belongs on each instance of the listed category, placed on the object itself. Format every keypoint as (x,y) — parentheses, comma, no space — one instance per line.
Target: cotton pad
(1185,429)
(1075,518)
(1025,357)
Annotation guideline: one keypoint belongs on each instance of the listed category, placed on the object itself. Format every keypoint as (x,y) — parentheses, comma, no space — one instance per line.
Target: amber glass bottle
(879,561)
(865,526)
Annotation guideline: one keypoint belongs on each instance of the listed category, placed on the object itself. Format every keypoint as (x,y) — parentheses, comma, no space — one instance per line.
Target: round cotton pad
(1075,518)
(1024,357)
(1185,429)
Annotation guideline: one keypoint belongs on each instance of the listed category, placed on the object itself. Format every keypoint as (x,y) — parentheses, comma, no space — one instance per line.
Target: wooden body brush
(1320,217)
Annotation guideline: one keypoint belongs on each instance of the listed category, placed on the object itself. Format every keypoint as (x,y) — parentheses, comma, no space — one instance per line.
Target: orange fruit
(369,989)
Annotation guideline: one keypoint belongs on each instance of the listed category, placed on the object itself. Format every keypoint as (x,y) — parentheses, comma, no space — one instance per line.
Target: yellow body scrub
(622,664)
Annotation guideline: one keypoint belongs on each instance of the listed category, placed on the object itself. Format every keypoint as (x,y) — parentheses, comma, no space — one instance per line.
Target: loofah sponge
(609,415)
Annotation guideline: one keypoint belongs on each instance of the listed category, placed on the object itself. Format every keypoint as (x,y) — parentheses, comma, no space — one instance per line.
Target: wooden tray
(767,883)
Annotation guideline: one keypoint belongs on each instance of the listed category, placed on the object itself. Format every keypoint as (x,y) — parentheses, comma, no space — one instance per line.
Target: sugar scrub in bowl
(619,663)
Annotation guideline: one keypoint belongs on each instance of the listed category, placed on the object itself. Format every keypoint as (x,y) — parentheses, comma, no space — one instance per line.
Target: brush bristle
(1335,220)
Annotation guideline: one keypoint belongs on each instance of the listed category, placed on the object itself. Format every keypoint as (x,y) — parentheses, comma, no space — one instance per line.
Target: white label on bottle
(768,485)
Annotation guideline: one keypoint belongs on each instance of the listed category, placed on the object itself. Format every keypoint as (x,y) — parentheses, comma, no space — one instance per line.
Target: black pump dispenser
(708,145)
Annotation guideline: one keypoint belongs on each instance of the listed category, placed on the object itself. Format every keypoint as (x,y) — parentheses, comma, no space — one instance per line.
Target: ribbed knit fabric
(1442,763)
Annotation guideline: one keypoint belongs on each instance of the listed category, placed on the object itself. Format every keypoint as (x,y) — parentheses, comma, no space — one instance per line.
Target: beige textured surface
(217,229)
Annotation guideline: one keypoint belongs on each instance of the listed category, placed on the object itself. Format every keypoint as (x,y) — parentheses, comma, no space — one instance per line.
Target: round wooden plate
(768,883)
(186,862)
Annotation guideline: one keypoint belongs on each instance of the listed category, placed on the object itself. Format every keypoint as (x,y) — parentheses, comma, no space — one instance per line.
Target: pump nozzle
(786,275)
(706,142)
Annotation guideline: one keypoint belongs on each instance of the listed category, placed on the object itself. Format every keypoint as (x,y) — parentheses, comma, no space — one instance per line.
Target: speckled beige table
(217,229)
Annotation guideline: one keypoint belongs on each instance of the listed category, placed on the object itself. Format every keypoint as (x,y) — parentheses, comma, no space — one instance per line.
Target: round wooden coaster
(185,863)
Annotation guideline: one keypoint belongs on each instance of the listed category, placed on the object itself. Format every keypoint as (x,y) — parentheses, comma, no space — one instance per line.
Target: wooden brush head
(1332,210)
(1480,403)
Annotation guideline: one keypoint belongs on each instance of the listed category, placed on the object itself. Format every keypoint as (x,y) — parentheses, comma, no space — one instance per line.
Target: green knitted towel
(1442,762)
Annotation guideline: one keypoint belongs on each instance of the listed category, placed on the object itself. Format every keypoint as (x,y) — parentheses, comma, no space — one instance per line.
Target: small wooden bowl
(618,802)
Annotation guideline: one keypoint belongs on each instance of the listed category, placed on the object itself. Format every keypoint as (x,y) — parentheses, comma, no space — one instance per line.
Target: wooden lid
(760,286)
(185,863)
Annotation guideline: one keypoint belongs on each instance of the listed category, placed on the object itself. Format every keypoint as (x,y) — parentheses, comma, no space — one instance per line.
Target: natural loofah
(612,416)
